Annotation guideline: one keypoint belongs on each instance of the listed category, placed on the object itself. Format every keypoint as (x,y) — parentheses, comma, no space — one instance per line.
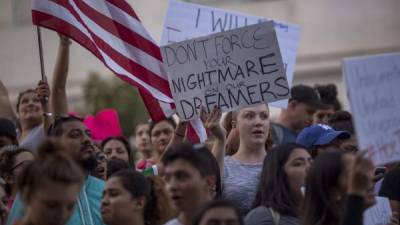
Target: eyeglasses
(101,157)
(9,148)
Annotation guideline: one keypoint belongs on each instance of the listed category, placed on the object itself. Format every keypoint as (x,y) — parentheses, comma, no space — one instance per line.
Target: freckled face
(253,124)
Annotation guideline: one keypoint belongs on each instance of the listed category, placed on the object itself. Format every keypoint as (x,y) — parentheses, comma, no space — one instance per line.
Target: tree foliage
(114,93)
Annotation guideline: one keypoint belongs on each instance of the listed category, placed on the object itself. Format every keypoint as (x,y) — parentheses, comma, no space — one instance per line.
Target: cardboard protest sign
(230,69)
(378,214)
(373,86)
(186,21)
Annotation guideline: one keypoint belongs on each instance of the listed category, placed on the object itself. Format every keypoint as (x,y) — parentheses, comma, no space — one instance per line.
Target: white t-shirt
(35,137)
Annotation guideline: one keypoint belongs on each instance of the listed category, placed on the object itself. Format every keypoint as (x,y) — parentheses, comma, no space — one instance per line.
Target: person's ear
(140,203)
(293,104)
(233,124)
(211,181)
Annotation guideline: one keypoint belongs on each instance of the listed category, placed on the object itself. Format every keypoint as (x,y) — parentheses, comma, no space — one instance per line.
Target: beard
(88,164)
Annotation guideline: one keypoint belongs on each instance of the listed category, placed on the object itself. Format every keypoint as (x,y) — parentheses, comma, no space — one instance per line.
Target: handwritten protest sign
(186,21)
(378,214)
(229,69)
(373,86)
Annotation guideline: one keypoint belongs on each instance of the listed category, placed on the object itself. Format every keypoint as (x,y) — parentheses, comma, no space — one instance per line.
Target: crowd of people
(302,168)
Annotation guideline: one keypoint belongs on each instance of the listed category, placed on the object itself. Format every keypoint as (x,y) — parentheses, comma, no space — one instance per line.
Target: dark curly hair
(342,120)
(328,94)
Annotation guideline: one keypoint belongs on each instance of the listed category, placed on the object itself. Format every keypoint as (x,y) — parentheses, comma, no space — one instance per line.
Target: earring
(213,189)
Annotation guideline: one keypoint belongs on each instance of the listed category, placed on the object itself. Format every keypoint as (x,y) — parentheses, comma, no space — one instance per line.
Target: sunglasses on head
(9,148)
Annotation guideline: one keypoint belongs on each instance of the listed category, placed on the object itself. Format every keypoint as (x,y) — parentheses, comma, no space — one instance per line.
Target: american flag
(112,31)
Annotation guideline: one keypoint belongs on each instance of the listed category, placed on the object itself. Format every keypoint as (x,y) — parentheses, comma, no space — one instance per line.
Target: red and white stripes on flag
(111,30)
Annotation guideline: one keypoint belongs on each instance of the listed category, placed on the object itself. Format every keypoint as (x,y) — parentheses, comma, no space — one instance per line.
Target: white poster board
(186,21)
(230,69)
(378,214)
(373,84)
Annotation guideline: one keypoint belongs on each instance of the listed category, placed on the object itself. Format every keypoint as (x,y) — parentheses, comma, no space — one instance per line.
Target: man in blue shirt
(72,133)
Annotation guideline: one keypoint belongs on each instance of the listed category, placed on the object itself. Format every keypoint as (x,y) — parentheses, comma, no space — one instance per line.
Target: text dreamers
(230,69)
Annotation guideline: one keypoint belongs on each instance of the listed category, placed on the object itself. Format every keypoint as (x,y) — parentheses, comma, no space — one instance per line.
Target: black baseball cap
(306,94)
(7,128)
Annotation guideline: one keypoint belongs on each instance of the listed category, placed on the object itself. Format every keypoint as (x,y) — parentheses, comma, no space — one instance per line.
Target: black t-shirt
(391,185)
(353,210)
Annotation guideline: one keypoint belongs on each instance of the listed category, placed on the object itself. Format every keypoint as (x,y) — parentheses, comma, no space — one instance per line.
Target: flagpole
(41,59)
(41,53)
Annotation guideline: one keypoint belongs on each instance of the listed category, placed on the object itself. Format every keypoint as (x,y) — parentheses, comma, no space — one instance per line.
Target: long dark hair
(157,209)
(273,190)
(342,120)
(320,207)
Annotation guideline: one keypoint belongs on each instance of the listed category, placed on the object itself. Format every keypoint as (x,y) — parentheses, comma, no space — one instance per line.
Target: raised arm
(6,110)
(360,182)
(213,124)
(177,138)
(58,97)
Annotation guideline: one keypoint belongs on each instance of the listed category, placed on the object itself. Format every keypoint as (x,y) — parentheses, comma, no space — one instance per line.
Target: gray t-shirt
(174,221)
(263,216)
(240,183)
(35,137)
